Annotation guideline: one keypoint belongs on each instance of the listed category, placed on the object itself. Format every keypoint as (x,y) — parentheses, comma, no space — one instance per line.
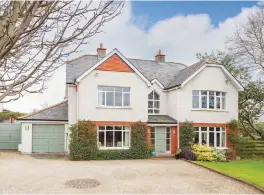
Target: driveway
(25,174)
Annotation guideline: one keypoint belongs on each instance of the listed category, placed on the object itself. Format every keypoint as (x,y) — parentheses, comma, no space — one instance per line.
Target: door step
(163,156)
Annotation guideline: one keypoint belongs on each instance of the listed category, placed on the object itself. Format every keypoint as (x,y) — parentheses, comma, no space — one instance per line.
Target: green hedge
(8,115)
(187,134)
(83,144)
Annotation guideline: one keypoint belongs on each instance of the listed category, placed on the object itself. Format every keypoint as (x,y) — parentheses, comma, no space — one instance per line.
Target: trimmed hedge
(83,144)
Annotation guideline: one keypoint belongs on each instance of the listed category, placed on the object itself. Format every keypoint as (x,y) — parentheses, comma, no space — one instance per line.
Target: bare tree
(37,36)
(247,43)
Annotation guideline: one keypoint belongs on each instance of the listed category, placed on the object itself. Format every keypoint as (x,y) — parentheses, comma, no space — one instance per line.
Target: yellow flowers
(204,153)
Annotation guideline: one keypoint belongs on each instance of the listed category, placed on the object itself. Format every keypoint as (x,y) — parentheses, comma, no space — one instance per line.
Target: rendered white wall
(72,104)
(26,138)
(87,97)
(211,78)
(1,107)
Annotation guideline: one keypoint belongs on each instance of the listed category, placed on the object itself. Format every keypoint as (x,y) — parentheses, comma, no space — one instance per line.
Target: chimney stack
(101,52)
(160,57)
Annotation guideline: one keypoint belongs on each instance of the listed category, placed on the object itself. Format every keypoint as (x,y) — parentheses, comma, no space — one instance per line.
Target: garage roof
(57,112)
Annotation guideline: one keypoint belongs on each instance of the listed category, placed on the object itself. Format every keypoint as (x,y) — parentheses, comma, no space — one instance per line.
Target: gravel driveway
(25,174)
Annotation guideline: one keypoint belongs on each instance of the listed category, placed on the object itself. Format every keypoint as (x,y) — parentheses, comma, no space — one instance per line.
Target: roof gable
(108,56)
(114,63)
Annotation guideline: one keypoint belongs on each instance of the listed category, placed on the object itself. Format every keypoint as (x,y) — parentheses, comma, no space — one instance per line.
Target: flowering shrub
(204,153)
(220,155)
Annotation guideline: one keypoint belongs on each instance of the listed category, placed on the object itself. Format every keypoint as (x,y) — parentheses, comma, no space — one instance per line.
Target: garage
(10,136)
(45,131)
(48,138)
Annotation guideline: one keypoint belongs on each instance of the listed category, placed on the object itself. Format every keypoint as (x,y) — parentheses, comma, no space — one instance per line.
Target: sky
(179,29)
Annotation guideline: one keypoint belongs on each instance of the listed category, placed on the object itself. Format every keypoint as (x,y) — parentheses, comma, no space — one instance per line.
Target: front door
(160,145)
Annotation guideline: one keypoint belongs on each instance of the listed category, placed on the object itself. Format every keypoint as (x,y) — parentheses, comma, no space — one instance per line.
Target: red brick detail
(174,140)
(148,136)
(114,63)
(113,123)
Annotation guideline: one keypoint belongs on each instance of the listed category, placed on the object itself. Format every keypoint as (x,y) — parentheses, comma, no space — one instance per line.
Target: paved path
(24,174)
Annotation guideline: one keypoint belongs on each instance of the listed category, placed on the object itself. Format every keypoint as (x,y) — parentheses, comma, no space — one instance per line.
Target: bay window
(113,137)
(211,136)
(113,96)
(211,100)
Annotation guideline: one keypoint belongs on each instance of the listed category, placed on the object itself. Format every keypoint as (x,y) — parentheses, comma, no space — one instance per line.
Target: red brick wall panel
(116,64)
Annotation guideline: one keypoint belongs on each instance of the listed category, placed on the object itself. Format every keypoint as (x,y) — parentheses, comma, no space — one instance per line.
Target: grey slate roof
(57,112)
(185,74)
(161,119)
(170,74)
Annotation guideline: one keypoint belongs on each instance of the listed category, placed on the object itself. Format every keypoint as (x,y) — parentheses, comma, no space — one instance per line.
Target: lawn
(251,171)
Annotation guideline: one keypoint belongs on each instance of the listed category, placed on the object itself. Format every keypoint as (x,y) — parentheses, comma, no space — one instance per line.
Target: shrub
(204,153)
(220,155)
(185,153)
(83,144)
(187,134)
(139,145)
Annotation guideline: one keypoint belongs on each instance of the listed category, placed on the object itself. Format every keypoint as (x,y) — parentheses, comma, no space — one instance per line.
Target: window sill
(112,148)
(221,148)
(113,107)
(209,110)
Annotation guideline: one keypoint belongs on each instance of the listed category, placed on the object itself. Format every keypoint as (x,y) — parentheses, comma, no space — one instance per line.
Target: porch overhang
(161,120)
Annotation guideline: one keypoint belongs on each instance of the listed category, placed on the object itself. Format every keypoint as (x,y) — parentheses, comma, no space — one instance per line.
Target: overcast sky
(180,36)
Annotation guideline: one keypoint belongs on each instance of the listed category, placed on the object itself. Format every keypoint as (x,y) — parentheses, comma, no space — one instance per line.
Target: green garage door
(10,136)
(48,138)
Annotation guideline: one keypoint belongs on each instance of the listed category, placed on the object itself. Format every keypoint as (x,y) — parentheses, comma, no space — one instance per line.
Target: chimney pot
(101,51)
(160,57)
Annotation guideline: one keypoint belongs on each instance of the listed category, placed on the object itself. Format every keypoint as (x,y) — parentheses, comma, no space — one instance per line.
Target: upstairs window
(211,100)
(114,96)
(153,103)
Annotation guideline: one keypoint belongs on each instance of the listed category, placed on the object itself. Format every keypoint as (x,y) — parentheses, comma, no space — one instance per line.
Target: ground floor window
(212,136)
(113,137)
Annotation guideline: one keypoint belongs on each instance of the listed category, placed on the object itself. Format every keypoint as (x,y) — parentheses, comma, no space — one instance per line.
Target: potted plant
(152,151)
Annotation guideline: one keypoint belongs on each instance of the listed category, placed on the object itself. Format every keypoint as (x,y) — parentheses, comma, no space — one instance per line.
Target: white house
(114,91)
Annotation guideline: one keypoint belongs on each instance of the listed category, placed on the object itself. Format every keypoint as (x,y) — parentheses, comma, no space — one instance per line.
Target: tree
(247,43)
(37,36)
(251,100)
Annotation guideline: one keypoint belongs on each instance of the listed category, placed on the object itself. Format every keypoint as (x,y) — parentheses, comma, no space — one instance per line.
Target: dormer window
(153,103)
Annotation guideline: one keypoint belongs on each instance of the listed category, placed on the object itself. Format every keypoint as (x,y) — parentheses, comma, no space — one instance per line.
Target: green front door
(48,138)
(10,136)
(160,140)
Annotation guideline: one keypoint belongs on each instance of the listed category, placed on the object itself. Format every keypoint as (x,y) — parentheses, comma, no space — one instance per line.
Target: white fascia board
(159,83)
(115,51)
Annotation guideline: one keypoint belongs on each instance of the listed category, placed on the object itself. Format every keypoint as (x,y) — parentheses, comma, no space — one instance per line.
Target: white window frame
(114,106)
(123,130)
(222,130)
(221,96)
(153,104)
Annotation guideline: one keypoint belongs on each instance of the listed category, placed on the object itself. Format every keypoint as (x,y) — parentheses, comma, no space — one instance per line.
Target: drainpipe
(77,101)
(178,116)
